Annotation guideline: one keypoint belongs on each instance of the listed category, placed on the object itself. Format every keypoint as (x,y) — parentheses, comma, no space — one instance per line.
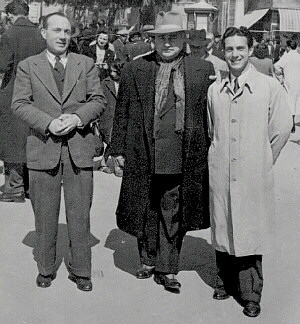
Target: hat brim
(165,31)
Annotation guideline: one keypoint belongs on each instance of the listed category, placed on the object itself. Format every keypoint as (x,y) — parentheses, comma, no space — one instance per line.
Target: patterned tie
(59,66)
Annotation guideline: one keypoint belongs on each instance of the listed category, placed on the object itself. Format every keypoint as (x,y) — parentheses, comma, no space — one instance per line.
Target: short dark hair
(242,31)
(292,44)
(46,18)
(17,7)
(117,64)
(261,51)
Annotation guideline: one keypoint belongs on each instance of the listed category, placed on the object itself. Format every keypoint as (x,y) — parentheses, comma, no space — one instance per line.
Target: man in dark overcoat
(23,39)
(160,138)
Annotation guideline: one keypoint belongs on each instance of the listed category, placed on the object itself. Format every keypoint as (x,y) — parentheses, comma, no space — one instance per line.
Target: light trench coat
(247,130)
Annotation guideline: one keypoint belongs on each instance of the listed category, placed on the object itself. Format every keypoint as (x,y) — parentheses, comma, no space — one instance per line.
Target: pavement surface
(118,297)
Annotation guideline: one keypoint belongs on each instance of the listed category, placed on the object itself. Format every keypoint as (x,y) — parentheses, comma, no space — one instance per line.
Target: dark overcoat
(132,137)
(22,40)
(106,119)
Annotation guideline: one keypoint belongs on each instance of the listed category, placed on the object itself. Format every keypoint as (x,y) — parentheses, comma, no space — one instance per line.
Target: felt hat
(167,22)
(198,38)
(122,32)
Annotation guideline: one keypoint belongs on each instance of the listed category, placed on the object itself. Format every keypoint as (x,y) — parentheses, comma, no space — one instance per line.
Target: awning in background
(289,20)
(251,18)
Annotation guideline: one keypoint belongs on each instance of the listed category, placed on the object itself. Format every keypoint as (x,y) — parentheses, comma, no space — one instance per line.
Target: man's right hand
(56,127)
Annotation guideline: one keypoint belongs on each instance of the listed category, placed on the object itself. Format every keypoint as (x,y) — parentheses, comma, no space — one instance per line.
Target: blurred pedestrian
(248,125)
(119,44)
(288,69)
(200,45)
(160,140)
(23,39)
(136,47)
(110,86)
(101,54)
(261,60)
(58,94)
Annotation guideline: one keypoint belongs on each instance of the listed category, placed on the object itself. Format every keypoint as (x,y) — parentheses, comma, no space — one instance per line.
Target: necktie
(236,85)
(59,66)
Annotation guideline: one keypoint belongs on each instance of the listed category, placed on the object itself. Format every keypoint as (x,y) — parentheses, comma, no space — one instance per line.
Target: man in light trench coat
(249,124)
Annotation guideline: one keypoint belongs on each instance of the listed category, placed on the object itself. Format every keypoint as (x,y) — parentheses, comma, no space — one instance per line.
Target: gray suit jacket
(36,100)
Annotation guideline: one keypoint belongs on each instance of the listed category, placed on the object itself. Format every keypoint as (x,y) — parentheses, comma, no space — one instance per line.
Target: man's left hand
(70,121)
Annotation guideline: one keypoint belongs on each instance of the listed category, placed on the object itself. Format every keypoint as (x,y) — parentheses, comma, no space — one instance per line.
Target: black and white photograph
(149,161)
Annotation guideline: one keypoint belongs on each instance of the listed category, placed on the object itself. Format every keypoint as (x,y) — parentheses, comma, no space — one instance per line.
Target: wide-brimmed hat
(146,28)
(198,38)
(167,22)
(122,32)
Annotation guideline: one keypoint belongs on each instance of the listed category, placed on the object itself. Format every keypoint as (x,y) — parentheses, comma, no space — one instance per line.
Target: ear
(43,32)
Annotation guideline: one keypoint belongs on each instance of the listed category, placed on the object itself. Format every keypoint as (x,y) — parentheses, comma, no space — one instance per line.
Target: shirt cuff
(79,121)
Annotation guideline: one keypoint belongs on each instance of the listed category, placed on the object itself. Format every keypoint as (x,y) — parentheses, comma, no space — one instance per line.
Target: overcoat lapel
(42,70)
(194,90)
(145,83)
(73,72)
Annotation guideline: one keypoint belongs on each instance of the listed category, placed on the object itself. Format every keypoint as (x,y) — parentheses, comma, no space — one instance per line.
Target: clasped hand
(64,124)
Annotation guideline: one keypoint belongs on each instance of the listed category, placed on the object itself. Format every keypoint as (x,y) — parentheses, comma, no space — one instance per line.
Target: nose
(235,53)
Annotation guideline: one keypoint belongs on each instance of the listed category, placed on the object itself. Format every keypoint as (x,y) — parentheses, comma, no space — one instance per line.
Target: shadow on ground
(62,246)
(196,255)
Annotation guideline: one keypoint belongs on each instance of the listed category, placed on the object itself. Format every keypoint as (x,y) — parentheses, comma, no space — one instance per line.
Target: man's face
(102,40)
(57,34)
(237,53)
(168,46)
(115,75)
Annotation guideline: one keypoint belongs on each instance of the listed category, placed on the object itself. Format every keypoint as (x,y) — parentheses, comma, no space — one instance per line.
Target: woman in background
(261,61)
(101,54)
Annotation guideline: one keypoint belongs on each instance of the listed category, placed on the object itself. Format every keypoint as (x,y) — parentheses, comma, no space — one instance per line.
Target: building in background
(198,14)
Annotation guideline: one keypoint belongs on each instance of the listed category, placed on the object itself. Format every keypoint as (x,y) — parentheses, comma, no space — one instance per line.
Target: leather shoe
(144,273)
(220,294)
(16,197)
(252,309)
(45,281)
(171,285)
(83,283)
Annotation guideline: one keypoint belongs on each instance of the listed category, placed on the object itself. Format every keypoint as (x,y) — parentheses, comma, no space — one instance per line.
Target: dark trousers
(45,190)
(16,178)
(161,241)
(240,277)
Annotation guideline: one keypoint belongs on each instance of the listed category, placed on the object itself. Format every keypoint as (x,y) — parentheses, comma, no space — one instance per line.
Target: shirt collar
(245,79)
(51,58)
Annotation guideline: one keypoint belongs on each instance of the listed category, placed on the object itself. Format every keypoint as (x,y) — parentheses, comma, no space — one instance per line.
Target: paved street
(117,296)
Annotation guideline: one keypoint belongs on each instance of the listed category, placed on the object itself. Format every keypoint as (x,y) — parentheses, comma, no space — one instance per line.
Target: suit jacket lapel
(73,71)
(111,87)
(42,70)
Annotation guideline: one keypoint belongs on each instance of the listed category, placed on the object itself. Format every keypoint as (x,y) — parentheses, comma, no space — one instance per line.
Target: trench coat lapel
(42,70)
(145,81)
(73,72)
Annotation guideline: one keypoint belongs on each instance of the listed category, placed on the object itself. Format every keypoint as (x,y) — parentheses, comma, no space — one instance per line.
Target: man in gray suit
(58,94)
